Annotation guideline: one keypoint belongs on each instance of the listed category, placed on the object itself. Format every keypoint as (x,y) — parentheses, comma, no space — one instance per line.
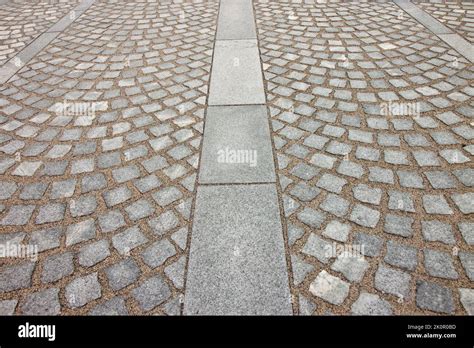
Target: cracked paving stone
(151,293)
(434,297)
(122,274)
(329,288)
(370,304)
(304,192)
(56,267)
(83,290)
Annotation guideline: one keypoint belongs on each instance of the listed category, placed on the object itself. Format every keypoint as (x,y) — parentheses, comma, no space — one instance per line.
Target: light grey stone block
(237,146)
(237,259)
(236,20)
(236,74)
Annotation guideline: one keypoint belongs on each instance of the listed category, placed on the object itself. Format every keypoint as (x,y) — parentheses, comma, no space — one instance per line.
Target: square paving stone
(369,245)
(92,254)
(236,74)
(14,277)
(151,293)
(18,215)
(236,146)
(128,240)
(434,297)
(364,216)
(392,281)
(319,248)
(352,266)
(399,225)
(236,235)
(140,209)
(156,254)
(402,256)
(122,274)
(56,267)
(50,212)
(370,304)
(114,306)
(83,290)
(44,302)
(439,264)
(437,231)
(80,232)
(329,288)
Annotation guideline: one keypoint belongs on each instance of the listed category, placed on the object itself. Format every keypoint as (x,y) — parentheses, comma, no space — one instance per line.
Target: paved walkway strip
(237,259)
(456,41)
(14,65)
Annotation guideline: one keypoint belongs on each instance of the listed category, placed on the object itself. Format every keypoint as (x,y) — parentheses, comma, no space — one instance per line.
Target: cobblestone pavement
(458,16)
(401,186)
(22,21)
(100,141)
(106,196)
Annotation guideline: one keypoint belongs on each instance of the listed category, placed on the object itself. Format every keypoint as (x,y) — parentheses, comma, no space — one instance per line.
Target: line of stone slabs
(237,261)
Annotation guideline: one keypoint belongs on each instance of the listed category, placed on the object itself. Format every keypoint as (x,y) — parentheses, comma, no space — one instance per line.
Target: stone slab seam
(455,41)
(11,67)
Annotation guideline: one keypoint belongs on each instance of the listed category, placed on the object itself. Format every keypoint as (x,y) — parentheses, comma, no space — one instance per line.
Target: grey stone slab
(237,258)
(237,146)
(460,44)
(236,20)
(236,74)
(422,17)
